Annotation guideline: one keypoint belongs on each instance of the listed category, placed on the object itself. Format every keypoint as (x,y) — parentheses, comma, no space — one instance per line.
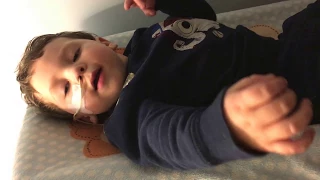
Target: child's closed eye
(66,88)
(77,55)
(75,58)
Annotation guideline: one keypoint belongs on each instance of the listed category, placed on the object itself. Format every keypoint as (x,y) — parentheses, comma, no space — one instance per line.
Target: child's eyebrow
(64,50)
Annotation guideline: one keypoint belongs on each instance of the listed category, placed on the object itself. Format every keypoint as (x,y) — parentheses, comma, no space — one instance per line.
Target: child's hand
(146,6)
(258,110)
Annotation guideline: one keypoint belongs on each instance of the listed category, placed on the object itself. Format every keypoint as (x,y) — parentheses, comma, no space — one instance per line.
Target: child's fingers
(149,12)
(261,92)
(149,9)
(245,82)
(277,108)
(292,125)
(290,147)
(233,95)
(141,4)
(133,5)
(150,4)
(127,4)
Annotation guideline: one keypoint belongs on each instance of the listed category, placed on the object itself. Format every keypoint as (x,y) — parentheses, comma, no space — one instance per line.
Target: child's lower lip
(100,81)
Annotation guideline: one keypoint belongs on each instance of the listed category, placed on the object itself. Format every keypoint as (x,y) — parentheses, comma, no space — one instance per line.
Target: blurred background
(21,20)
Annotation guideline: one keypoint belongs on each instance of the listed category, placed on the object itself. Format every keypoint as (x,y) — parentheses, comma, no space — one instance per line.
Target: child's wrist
(244,142)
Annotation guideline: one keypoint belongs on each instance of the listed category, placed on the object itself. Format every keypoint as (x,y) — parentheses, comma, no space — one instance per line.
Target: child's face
(65,60)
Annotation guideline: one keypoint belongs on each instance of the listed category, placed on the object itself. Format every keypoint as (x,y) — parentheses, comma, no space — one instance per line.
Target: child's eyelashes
(77,55)
(74,59)
(66,88)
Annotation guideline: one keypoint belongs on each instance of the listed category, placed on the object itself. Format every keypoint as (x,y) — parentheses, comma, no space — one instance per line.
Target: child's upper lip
(94,78)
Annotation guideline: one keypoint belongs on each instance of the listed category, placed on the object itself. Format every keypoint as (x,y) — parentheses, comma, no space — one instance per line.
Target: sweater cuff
(215,133)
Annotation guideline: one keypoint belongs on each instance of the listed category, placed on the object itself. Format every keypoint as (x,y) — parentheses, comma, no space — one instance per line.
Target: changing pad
(47,151)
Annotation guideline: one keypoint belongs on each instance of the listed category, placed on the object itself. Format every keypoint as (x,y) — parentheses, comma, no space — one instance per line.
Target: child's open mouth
(95,78)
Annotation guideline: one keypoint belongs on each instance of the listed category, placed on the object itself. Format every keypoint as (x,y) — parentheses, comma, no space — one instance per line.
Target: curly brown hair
(33,51)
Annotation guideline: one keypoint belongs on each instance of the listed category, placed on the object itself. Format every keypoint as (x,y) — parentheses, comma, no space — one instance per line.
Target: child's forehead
(52,51)
(58,46)
(54,48)
(58,42)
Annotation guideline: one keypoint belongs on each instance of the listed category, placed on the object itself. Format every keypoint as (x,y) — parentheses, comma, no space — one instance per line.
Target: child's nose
(80,68)
(78,71)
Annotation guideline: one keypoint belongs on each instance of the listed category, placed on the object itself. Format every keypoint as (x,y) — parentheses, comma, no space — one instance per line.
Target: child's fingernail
(309,102)
(283,80)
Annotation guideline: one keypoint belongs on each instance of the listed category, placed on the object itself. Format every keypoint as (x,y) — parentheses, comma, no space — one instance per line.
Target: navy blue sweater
(171,113)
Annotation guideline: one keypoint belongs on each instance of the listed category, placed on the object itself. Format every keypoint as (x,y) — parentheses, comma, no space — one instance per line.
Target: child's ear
(90,118)
(107,43)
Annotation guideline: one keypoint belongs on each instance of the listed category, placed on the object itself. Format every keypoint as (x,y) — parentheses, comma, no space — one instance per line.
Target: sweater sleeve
(186,8)
(179,137)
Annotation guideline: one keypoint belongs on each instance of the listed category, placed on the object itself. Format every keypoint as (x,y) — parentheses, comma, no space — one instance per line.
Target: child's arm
(174,8)
(251,116)
(180,137)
